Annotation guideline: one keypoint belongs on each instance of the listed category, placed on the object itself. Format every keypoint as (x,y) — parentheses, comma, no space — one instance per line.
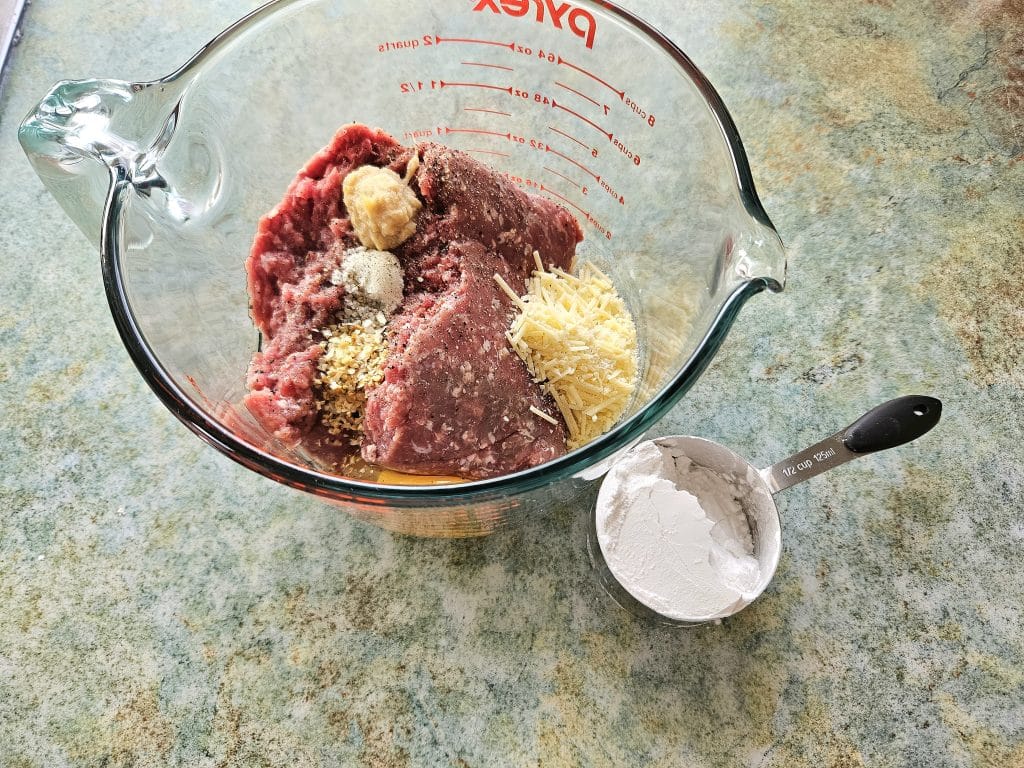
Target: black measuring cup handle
(887,425)
(893,423)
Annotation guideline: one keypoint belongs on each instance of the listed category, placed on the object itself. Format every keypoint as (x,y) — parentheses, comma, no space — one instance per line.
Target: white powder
(372,281)
(675,536)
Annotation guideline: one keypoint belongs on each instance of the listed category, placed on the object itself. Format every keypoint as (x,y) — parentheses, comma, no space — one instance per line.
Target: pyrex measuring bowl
(583,103)
(888,425)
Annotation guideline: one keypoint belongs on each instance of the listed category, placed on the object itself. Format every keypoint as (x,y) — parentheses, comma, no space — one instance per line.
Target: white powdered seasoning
(675,536)
(372,280)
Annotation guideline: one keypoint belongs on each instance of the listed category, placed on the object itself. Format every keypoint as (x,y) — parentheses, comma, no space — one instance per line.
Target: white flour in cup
(675,536)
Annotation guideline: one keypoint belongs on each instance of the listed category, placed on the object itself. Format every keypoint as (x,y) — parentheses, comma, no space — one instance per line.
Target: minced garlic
(352,362)
(381,206)
(578,341)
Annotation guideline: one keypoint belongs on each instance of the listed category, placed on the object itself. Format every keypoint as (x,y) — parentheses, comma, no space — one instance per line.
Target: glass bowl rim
(338,488)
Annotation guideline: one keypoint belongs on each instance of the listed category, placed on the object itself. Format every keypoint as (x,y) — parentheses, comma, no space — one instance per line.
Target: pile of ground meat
(455,398)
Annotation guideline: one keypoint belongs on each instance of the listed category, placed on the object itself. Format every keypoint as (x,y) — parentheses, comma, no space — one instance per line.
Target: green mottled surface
(159,605)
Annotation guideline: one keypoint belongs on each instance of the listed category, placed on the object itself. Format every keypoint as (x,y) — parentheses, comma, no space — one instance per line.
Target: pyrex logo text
(580,22)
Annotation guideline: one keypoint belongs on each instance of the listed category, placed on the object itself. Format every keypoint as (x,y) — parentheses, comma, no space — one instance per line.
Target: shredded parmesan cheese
(546,416)
(578,341)
(352,362)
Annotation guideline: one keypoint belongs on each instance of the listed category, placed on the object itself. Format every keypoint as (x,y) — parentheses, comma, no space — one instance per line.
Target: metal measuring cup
(888,425)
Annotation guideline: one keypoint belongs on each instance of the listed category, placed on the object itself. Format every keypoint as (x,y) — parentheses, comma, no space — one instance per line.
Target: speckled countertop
(161,606)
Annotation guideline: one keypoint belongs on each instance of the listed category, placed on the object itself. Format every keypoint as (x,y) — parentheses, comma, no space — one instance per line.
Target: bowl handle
(86,133)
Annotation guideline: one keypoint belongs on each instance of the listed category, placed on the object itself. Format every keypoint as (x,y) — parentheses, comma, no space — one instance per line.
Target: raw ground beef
(297,246)
(455,398)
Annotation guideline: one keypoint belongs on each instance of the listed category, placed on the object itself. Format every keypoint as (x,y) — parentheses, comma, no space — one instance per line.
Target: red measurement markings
(419,133)
(438,39)
(565,199)
(561,176)
(506,136)
(595,102)
(582,167)
(484,64)
(487,152)
(488,111)
(586,214)
(507,90)
(615,195)
(591,123)
(592,76)
(573,138)
(524,182)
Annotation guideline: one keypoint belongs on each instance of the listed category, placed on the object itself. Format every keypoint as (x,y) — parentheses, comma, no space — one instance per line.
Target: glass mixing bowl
(582,102)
